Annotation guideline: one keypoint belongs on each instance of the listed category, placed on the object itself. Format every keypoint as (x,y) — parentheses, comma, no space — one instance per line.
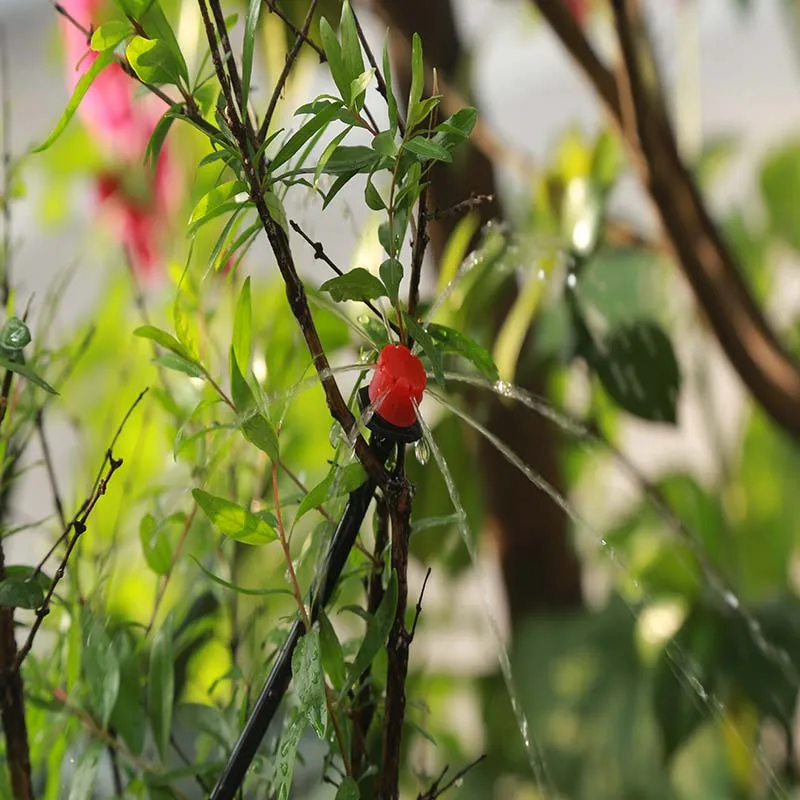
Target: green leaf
(317,122)
(258,431)
(85,81)
(372,197)
(233,520)
(15,335)
(129,717)
(276,210)
(309,681)
(391,101)
(607,160)
(329,150)
(108,36)
(21,592)
(220,199)
(335,58)
(637,366)
(358,87)
(421,336)
(391,274)
(424,109)
(179,364)
(242,395)
(243,328)
(335,484)
(384,144)
(332,654)
(348,790)
(158,136)
(235,587)
(151,17)
(293,727)
(417,79)
(84,779)
(153,61)
(101,668)
(460,124)
(155,545)
(453,341)
(427,149)
(26,372)
(358,284)
(780,188)
(351,52)
(248,44)
(391,235)
(166,340)
(161,686)
(378,627)
(351,158)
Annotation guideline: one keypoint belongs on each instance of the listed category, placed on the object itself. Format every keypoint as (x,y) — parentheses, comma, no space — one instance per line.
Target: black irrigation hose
(383,440)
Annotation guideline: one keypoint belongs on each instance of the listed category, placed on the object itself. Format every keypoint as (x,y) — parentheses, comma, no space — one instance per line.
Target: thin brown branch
(769,372)
(459,208)
(379,77)
(291,57)
(418,609)
(162,589)
(437,790)
(49,466)
(296,31)
(421,240)
(296,591)
(78,527)
(233,72)
(320,254)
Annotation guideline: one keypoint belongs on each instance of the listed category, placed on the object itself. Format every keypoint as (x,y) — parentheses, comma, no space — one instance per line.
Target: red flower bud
(397,384)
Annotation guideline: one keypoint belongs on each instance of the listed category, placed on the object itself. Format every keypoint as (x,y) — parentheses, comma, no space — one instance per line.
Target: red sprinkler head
(398,383)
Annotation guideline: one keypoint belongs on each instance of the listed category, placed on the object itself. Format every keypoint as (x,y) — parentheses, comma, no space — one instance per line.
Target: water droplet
(572,280)
(72,760)
(459,783)
(366,355)
(503,388)
(334,434)
(362,319)
(731,599)
(422,452)
(542,274)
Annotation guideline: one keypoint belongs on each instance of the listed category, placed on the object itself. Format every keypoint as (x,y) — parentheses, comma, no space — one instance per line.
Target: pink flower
(139,201)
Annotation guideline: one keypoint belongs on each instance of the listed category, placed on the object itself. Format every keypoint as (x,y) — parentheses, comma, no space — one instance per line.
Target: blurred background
(651,617)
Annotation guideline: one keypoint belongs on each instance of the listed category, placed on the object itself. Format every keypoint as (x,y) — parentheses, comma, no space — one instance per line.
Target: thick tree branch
(771,375)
